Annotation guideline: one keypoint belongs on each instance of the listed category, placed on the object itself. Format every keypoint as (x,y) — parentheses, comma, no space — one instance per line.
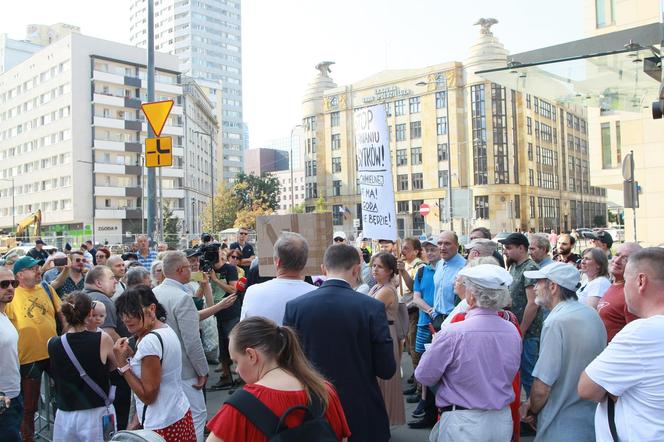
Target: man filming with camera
(224,278)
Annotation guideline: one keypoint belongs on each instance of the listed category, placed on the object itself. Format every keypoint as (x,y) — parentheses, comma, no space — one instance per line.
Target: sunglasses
(6,283)
(79,260)
(100,256)
(234,257)
(338,239)
(244,233)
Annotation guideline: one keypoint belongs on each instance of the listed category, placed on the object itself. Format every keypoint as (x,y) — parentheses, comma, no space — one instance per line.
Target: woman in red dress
(270,360)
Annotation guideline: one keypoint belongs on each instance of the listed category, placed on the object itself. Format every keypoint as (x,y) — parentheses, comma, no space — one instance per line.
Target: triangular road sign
(157,113)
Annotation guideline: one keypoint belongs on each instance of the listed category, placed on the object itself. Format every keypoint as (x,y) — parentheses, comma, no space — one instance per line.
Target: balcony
(117,169)
(109,191)
(114,123)
(110,100)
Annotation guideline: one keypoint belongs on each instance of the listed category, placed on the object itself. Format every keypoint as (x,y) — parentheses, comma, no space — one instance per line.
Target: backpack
(314,427)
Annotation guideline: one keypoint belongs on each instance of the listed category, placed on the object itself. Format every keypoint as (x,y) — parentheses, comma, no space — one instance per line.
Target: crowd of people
(509,338)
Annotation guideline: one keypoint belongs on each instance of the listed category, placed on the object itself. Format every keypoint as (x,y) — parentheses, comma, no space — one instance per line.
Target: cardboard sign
(374,172)
(315,227)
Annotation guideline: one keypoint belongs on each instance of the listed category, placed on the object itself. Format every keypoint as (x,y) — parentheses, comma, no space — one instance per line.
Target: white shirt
(597,288)
(632,368)
(171,403)
(10,377)
(269,299)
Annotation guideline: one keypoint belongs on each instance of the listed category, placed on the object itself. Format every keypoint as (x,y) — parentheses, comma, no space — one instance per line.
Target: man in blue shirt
(145,255)
(446,271)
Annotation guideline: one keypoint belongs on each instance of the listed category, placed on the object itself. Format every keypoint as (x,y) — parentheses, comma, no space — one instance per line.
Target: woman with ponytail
(270,360)
(83,413)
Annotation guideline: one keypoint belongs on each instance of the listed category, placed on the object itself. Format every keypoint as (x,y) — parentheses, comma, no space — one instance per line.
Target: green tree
(251,191)
(172,227)
(298,208)
(225,210)
(320,206)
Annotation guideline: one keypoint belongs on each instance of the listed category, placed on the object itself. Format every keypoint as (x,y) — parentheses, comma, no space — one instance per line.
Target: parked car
(24,249)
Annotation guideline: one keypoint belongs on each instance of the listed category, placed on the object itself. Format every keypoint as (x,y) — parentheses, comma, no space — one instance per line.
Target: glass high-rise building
(206,37)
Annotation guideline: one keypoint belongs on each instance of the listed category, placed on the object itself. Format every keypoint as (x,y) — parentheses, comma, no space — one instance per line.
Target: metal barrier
(45,416)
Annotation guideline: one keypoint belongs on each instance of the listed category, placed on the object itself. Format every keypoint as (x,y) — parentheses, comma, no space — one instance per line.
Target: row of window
(32,166)
(29,146)
(24,209)
(28,106)
(27,85)
(37,186)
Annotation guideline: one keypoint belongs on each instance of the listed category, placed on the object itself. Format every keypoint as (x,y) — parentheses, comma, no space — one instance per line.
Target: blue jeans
(10,421)
(528,360)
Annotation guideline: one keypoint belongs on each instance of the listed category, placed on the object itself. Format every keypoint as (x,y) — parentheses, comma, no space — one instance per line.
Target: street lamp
(211,174)
(292,181)
(449,149)
(92,167)
(13,202)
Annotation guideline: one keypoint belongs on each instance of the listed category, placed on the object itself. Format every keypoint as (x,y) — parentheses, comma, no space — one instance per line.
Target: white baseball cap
(489,276)
(565,275)
(339,234)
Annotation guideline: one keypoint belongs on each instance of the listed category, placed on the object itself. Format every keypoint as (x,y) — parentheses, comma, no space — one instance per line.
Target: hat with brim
(430,240)
(565,275)
(489,276)
(518,239)
(26,262)
(193,252)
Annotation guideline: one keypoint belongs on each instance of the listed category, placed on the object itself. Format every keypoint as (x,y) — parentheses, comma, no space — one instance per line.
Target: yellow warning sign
(157,113)
(159,152)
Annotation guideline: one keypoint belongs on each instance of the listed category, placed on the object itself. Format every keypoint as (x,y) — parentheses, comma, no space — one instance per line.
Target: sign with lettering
(372,146)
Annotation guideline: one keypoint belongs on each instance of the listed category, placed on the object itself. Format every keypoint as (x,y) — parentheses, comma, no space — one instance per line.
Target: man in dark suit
(345,335)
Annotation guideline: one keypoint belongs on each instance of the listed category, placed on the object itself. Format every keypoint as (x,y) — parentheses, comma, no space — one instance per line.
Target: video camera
(209,256)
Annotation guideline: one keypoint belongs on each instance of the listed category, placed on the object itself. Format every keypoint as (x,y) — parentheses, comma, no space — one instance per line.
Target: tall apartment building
(206,37)
(12,52)
(520,161)
(75,152)
(614,133)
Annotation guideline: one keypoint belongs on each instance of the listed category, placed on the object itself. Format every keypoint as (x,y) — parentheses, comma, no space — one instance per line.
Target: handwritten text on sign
(375,173)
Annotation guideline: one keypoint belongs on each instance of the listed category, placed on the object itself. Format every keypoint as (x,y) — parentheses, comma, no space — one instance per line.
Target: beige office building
(613,134)
(514,160)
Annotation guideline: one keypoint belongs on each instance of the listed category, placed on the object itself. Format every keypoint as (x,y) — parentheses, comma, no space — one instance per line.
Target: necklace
(271,369)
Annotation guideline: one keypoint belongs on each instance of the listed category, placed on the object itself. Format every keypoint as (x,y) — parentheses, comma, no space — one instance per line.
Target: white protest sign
(374,170)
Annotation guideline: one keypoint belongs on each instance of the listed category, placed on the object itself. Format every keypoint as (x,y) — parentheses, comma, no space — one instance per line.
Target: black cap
(518,239)
(206,237)
(386,240)
(192,252)
(39,241)
(128,255)
(603,236)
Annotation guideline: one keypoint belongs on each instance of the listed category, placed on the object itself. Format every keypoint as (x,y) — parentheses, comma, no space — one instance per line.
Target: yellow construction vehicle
(7,243)
(29,228)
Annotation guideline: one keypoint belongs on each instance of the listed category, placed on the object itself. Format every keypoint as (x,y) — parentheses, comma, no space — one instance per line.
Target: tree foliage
(172,226)
(225,211)
(251,191)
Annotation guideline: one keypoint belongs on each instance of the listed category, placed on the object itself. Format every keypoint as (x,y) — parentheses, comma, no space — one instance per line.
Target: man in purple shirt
(473,362)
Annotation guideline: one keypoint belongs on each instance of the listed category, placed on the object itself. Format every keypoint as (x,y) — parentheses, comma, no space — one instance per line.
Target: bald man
(446,271)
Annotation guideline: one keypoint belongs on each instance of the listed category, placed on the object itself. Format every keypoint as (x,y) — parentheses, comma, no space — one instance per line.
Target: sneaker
(411,379)
(414,399)
(409,390)
(419,411)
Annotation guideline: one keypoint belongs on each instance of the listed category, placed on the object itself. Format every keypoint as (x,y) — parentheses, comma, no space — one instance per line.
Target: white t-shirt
(597,288)
(171,404)
(632,368)
(269,299)
(10,377)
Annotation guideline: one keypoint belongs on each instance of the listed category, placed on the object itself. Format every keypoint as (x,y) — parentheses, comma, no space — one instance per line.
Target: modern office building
(515,160)
(289,192)
(613,133)
(206,37)
(260,161)
(76,152)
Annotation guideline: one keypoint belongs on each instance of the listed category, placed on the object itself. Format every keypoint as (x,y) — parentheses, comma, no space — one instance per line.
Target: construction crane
(29,228)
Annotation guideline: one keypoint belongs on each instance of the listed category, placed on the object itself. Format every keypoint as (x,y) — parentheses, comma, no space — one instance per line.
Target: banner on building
(374,172)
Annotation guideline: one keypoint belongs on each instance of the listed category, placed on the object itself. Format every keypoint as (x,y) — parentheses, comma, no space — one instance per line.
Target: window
(481,207)
(415,156)
(532,207)
(336,142)
(402,182)
(312,190)
(529,125)
(606,146)
(401,132)
(530,151)
(443,178)
(531,177)
(442,152)
(618,143)
(517,206)
(500,148)
(478,113)
(337,214)
(441,99)
(441,125)
(415,129)
(418,181)
(334,119)
(399,107)
(528,104)
(414,105)
(403,206)
(402,158)
(336,188)
(336,164)
(418,219)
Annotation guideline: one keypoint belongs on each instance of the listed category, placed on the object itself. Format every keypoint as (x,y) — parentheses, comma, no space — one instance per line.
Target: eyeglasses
(234,257)
(7,282)
(100,256)
(79,260)
(243,233)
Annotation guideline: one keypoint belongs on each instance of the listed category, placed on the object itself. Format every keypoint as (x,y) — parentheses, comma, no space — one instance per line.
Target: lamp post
(13,202)
(292,191)
(211,174)
(92,167)
(141,160)
(449,149)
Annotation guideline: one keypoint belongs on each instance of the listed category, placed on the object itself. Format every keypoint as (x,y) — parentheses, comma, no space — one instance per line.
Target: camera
(209,256)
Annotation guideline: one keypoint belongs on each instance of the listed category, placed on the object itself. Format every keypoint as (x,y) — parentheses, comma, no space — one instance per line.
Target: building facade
(206,37)
(613,134)
(76,153)
(290,191)
(514,161)
(262,160)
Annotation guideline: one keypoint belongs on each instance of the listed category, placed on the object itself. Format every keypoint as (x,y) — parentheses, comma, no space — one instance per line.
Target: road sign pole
(152,181)
(634,195)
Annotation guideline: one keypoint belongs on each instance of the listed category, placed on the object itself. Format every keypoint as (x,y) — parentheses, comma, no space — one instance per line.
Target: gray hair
(494,299)
(136,276)
(540,241)
(482,260)
(153,270)
(172,260)
(485,247)
(292,250)
(113,260)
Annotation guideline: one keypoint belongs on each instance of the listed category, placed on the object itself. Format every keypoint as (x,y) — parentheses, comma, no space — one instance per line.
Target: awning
(615,71)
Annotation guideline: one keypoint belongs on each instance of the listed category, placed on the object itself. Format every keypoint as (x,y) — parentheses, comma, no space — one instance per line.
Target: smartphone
(197,276)
(59,262)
